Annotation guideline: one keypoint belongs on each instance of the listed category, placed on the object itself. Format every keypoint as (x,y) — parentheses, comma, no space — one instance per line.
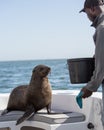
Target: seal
(33,97)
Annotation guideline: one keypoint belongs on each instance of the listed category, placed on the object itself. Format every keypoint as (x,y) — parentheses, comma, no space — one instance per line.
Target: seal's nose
(49,69)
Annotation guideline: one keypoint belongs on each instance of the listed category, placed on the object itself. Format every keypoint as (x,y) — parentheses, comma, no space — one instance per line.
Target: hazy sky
(44,29)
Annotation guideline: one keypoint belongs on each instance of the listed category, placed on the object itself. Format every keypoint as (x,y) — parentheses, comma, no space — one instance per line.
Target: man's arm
(98,74)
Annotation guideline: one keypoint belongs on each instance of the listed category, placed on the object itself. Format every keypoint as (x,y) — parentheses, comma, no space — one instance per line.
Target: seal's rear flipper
(29,112)
(4,112)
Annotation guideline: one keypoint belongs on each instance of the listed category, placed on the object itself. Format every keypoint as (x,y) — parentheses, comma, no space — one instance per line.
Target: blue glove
(79,99)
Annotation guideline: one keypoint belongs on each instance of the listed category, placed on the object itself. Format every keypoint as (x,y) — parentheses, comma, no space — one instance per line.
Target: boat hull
(64,100)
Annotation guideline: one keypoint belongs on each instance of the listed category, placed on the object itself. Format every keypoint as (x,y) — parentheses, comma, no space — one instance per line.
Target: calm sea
(14,73)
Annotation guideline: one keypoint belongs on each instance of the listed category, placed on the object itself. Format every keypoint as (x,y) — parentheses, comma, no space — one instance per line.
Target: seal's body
(33,97)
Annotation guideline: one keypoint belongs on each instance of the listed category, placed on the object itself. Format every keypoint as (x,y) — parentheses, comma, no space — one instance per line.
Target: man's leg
(102,115)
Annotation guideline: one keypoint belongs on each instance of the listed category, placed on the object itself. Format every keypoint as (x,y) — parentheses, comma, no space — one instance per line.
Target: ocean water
(14,73)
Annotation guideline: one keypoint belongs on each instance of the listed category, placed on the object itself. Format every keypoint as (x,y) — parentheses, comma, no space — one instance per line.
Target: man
(95,12)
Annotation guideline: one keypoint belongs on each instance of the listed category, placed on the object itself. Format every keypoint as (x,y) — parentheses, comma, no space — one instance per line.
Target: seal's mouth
(46,71)
(49,72)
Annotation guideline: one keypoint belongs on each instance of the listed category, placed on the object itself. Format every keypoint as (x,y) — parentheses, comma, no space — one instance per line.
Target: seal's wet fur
(33,97)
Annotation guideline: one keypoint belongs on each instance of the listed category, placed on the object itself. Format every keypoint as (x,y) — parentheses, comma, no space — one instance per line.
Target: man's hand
(86,93)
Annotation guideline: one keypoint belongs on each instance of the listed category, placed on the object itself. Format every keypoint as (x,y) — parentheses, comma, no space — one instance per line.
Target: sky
(44,29)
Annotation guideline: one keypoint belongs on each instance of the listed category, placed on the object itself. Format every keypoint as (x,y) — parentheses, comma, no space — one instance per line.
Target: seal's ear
(34,70)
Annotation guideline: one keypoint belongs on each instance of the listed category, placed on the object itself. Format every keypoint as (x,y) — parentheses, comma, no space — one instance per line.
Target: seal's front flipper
(48,107)
(29,112)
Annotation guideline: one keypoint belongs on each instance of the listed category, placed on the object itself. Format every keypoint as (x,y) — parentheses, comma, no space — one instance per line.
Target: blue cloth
(79,99)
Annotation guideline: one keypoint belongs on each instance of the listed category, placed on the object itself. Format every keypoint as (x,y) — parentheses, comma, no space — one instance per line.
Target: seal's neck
(35,79)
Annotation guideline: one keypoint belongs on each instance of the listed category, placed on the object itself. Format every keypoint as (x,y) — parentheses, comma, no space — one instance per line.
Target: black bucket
(80,69)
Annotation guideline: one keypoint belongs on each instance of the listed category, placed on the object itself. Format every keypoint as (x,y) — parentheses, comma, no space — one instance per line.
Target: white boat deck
(64,104)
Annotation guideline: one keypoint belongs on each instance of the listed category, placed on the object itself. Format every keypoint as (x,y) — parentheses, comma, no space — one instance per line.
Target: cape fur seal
(33,97)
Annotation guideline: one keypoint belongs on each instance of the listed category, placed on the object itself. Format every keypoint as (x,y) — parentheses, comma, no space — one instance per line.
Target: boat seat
(56,116)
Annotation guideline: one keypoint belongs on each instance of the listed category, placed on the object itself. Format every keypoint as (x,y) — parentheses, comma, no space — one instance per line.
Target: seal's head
(41,70)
